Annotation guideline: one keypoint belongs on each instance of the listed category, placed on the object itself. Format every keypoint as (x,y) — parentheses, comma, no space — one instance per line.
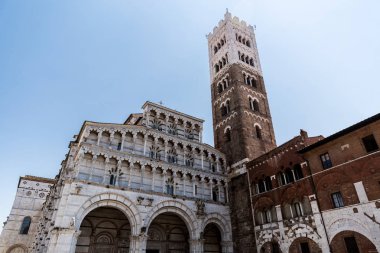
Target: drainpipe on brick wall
(253,212)
(320,210)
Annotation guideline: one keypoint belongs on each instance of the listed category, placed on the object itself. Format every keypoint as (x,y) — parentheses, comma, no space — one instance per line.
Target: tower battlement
(229,18)
(232,41)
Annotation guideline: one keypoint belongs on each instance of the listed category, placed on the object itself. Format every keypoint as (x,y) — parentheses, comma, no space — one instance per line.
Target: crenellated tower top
(232,41)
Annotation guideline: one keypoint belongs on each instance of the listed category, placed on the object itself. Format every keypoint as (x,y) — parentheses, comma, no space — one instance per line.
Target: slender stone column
(153,178)
(122,142)
(163,181)
(99,136)
(142,178)
(211,188)
(166,151)
(92,167)
(219,192)
(130,176)
(105,170)
(134,143)
(184,184)
(202,159)
(118,169)
(112,136)
(226,193)
(145,137)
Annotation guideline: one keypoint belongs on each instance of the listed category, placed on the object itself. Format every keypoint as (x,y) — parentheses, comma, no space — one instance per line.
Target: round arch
(111,200)
(343,223)
(17,248)
(352,239)
(271,246)
(176,207)
(307,242)
(227,128)
(298,231)
(221,224)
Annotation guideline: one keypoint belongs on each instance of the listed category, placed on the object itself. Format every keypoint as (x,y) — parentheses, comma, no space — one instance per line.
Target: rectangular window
(370,143)
(195,189)
(326,161)
(351,245)
(119,146)
(337,200)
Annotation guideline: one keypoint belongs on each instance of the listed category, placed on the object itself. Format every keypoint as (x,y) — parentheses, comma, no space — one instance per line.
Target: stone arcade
(151,185)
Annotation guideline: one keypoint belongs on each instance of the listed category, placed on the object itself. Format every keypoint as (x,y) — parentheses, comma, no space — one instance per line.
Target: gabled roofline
(341,133)
(171,110)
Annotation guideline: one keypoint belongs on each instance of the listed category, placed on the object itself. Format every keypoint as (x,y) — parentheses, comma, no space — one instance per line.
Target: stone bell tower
(241,118)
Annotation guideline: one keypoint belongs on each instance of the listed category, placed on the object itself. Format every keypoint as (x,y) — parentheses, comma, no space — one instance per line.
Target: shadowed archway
(104,230)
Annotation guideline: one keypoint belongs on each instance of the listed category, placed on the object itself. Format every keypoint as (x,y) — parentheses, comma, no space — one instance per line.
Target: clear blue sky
(63,62)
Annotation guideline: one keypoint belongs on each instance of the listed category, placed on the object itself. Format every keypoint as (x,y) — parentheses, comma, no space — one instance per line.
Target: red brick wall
(243,143)
(241,216)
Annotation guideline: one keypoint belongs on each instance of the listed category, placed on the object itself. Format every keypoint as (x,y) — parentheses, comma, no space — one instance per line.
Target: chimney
(303,134)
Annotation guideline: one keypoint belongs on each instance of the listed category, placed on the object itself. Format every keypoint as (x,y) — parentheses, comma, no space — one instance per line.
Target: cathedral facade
(151,185)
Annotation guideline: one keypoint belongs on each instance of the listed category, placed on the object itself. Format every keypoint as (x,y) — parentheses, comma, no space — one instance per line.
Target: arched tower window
(220,88)
(253,83)
(258,132)
(24,229)
(255,106)
(227,134)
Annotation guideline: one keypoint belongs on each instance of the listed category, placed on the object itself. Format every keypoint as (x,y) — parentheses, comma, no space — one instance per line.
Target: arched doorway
(168,233)
(304,245)
(212,239)
(352,242)
(104,230)
(270,247)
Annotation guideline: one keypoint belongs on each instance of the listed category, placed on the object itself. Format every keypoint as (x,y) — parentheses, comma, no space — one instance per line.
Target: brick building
(345,170)
(319,194)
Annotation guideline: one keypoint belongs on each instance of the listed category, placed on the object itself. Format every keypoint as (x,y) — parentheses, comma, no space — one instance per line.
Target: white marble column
(211,188)
(153,178)
(92,167)
(105,171)
(122,142)
(163,181)
(145,137)
(99,136)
